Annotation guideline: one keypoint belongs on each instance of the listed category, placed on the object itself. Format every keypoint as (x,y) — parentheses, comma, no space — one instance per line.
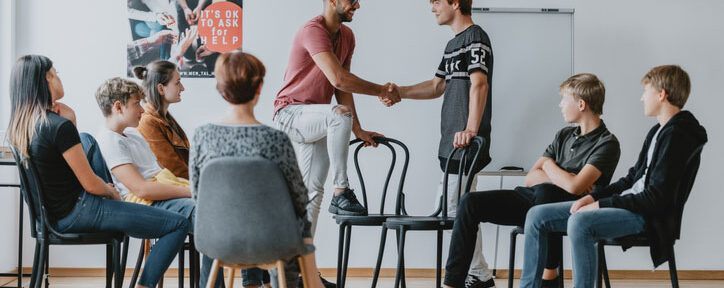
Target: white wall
(399,41)
(8,196)
(620,41)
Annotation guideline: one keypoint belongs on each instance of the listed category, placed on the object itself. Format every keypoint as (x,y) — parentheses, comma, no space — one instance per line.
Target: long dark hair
(30,99)
(158,72)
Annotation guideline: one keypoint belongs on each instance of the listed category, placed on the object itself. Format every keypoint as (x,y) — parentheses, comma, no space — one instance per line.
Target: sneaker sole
(335,210)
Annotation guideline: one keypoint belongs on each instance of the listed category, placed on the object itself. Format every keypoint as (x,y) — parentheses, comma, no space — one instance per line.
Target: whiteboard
(533,52)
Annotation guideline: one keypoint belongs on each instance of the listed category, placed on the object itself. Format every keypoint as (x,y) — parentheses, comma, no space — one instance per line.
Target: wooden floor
(95,282)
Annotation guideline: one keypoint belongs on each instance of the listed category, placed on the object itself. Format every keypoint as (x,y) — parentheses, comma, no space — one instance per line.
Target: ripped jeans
(319,133)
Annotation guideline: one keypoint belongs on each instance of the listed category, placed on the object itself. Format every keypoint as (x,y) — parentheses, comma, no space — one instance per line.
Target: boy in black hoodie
(645,200)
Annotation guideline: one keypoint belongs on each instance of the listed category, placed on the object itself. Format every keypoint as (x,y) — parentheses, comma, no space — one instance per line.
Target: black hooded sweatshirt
(658,203)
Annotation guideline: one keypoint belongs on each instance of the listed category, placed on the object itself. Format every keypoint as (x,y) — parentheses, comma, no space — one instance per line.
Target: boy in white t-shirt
(134,168)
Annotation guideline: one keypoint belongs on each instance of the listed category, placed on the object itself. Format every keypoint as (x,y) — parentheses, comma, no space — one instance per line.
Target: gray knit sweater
(213,141)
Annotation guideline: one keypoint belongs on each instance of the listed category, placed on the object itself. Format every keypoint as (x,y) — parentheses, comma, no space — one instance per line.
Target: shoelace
(470,280)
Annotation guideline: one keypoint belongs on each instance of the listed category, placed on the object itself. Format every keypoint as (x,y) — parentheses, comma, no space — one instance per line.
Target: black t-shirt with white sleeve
(469,51)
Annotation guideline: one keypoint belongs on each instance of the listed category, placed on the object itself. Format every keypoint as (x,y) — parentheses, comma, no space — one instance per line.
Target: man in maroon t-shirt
(319,67)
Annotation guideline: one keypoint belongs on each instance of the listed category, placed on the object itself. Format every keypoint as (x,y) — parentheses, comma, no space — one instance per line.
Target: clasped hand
(390,95)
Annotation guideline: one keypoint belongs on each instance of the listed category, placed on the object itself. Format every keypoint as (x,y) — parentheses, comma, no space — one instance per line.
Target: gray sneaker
(346,203)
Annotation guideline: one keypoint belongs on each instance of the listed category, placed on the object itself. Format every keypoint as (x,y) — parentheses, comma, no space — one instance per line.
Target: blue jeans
(95,158)
(254,276)
(186,207)
(95,214)
(584,229)
(182,206)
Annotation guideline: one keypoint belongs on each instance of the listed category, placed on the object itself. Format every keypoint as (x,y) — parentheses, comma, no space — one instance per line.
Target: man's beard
(343,17)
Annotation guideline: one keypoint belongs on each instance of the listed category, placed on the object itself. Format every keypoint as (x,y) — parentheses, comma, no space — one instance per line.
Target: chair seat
(520,230)
(85,238)
(369,220)
(630,240)
(420,223)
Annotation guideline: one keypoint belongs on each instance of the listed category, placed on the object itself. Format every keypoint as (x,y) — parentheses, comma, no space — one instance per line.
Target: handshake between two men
(435,88)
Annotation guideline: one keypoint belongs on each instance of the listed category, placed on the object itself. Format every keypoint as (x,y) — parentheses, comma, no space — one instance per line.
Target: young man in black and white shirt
(464,76)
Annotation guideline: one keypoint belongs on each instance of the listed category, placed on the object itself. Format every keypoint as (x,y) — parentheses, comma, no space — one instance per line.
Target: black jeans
(502,207)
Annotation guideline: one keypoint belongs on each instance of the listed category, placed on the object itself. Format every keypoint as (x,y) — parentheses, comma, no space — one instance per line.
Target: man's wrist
(547,164)
(356,129)
(403,91)
(382,91)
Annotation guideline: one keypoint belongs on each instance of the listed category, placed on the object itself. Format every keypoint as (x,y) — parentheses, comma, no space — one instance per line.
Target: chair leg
(181,265)
(139,260)
(194,264)
(198,268)
(109,265)
(340,253)
(38,283)
(47,265)
(604,267)
(672,270)
(400,256)
(303,269)
(36,265)
(403,284)
(232,275)
(43,264)
(282,277)
(212,276)
(599,266)
(561,271)
(511,260)
(438,272)
(124,258)
(117,274)
(380,253)
(345,260)
(44,269)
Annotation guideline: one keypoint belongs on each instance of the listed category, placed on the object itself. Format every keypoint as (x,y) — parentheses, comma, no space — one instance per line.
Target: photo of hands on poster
(189,33)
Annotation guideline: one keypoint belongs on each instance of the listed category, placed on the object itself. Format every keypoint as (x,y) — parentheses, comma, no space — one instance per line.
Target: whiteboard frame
(570,11)
(540,11)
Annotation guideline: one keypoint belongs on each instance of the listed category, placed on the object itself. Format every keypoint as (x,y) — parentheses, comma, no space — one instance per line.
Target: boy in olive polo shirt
(580,158)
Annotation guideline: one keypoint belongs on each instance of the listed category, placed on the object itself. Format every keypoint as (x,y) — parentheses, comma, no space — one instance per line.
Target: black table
(19,274)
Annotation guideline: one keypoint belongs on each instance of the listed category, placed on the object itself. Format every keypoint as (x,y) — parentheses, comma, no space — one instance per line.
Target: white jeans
(478,266)
(319,133)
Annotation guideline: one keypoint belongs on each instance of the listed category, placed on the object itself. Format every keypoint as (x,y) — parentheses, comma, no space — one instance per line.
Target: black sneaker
(346,204)
(473,281)
(326,283)
(553,283)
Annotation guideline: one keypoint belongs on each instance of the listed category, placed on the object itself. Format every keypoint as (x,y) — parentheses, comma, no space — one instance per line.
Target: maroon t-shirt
(304,82)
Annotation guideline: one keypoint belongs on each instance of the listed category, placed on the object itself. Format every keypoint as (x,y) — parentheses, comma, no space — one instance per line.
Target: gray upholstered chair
(245,217)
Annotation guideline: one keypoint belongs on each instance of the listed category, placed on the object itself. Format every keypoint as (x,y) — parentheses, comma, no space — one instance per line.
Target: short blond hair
(117,89)
(587,87)
(672,79)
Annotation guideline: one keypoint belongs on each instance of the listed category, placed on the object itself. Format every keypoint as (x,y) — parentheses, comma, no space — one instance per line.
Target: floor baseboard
(330,273)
